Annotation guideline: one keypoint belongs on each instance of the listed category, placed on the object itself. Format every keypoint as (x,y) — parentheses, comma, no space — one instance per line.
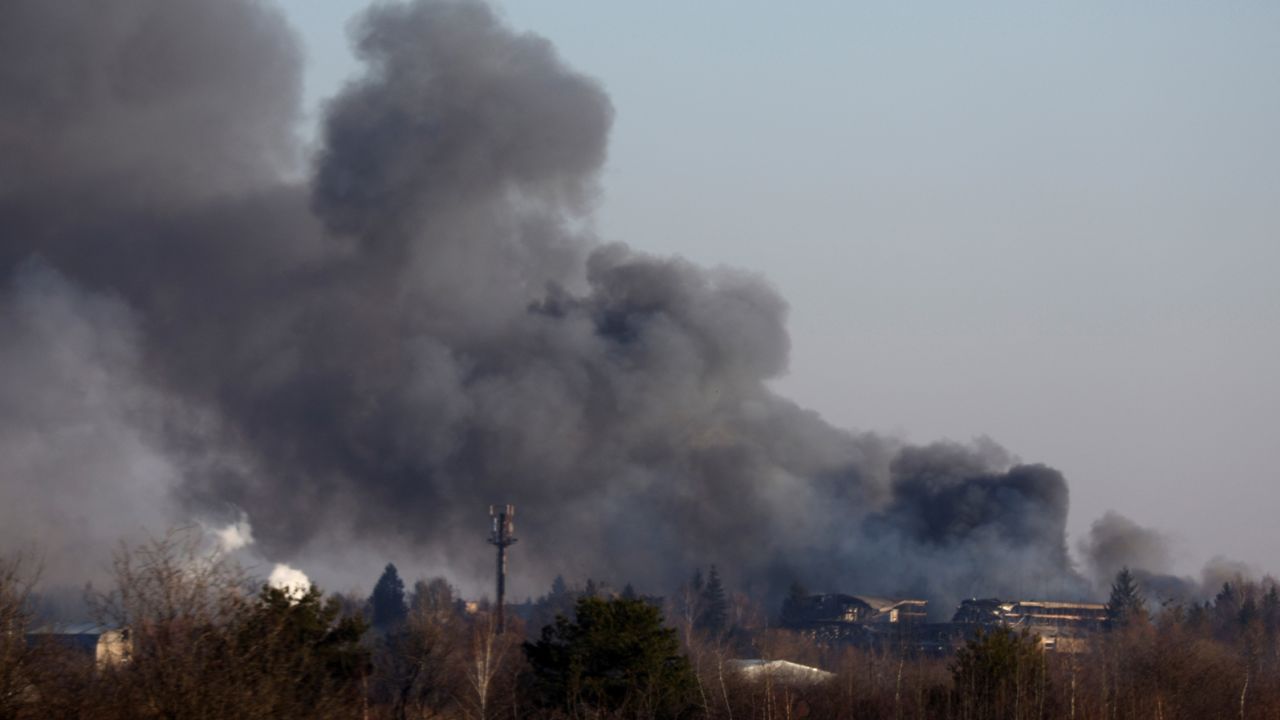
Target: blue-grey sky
(1051,223)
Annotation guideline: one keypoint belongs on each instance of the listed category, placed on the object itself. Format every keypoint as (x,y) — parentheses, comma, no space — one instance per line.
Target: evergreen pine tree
(793,605)
(558,601)
(999,674)
(1249,612)
(1226,612)
(387,609)
(1271,606)
(1271,611)
(614,659)
(1271,622)
(714,605)
(304,644)
(797,591)
(1126,604)
(559,586)
(1198,617)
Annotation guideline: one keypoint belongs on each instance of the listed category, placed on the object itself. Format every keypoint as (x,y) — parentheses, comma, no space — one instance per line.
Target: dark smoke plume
(363,360)
(971,521)
(1116,542)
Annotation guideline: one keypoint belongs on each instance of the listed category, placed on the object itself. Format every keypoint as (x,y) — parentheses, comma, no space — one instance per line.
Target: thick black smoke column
(426,322)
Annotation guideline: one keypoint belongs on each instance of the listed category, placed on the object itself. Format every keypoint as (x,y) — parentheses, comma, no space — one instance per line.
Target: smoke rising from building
(424,325)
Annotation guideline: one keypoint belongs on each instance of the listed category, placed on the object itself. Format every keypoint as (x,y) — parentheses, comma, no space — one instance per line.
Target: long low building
(780,671)
(1032,614)
(889,622)
(104,644)
(1061,626)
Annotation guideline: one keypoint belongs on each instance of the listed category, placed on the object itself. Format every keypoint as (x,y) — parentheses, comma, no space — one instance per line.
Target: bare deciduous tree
(18,574)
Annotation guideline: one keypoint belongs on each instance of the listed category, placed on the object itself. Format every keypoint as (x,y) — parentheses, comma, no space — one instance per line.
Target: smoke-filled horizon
(360,362)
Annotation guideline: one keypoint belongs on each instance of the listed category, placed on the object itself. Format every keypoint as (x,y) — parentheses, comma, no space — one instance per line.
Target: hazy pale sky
(1052,224)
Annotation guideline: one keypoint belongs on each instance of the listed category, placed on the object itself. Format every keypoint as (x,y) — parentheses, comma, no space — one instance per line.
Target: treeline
(204,641)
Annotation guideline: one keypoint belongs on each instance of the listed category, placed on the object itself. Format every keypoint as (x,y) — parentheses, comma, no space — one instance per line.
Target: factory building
(106,645)
(1061,626)
(887,622)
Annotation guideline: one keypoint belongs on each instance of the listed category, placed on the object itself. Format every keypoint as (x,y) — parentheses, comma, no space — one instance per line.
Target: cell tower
(503,535)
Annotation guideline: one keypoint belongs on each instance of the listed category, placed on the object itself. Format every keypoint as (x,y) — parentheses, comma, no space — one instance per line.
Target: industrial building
(106,645)
(903,623)
(1062,626)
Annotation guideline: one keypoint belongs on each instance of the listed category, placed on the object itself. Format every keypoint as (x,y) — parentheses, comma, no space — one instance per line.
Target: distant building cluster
(868,620)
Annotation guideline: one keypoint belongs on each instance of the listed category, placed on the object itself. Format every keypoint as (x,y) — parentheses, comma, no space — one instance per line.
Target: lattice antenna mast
(503,536)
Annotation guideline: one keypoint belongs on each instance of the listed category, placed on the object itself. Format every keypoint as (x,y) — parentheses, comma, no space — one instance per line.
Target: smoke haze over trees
(422,325)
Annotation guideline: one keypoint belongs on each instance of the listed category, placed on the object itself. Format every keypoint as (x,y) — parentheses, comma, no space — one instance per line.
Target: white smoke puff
(293,581)
(236,535)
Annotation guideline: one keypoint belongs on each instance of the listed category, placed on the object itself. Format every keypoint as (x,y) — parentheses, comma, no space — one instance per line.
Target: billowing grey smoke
(363,361)
(1116,542)
(77,469)
(972,529)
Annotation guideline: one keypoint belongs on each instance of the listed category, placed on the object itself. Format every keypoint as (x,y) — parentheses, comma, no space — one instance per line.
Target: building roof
(1052,604)
(880,603)
(780,670)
